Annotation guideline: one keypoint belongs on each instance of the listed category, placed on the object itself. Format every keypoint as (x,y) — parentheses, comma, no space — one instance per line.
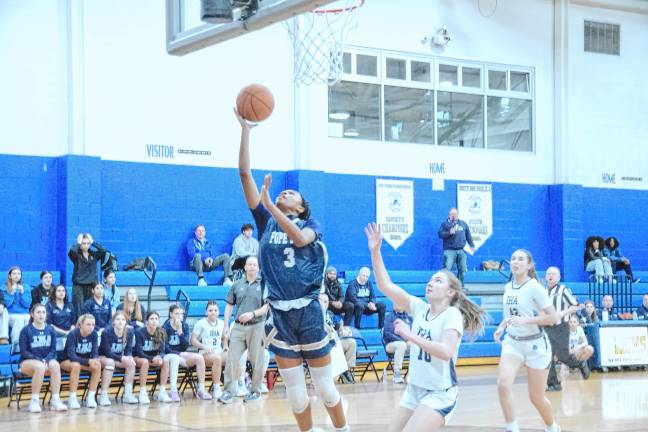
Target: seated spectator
(116,349)
(588,313)
(177,342)
(111,292)
(578,345)
(642,310)
(41,292)
(333,289)
(85,255)
(394,344)
(82,353)
(618,261)
(38,357)
(361,299)
(150,349)
(133,309)
(207,337)
(345,338)
(99,307)
(607,309)
(4,321)
(17,299)
(595,261)
(244,246)
(60,315)
(201,257)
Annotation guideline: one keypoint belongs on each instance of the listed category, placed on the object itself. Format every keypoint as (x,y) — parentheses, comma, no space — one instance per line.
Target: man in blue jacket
(361,299)
(455,234)
(201,257)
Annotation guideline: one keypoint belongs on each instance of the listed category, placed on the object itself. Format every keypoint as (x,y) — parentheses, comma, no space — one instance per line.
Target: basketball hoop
(318,41)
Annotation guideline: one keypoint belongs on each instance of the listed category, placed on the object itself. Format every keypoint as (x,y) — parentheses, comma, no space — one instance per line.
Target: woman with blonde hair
(133,309)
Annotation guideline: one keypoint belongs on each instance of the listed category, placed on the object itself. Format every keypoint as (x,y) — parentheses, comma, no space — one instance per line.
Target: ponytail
(474,317)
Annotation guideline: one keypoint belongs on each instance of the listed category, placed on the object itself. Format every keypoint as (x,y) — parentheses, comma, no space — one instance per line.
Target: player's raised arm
(250,189)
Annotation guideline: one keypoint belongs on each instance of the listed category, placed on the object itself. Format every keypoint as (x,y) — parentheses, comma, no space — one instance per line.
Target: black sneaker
(252,397)
(225,398)
(349,377)
(584,369)
(555,387)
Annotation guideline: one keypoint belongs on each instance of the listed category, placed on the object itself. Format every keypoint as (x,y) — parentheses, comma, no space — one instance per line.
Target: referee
(565,304)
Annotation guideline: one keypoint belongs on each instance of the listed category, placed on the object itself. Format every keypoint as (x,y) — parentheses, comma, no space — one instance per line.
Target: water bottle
(634,316)
(605,315)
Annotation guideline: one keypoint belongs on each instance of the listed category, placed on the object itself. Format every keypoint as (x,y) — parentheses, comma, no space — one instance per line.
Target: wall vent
(602,38)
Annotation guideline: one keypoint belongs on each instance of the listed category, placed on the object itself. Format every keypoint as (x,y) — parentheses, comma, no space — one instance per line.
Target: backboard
(186,33)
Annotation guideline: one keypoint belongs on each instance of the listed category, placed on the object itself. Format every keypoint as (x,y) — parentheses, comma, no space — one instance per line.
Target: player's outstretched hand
(374,236)
(244,123)
(265,192)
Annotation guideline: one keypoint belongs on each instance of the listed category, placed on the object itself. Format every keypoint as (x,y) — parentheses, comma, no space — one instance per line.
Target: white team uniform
(527,342)
(210,334)
(575,338)
(432,382)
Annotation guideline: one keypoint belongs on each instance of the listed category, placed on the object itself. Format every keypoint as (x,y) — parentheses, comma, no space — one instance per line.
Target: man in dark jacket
(333,290)
(361,299)
(84,255)
(455,234)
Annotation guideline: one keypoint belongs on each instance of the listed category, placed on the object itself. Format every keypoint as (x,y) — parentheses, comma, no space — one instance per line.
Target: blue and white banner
(475,206)
(395,210)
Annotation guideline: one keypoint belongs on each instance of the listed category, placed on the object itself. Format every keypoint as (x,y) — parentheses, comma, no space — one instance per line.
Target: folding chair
(390,361)
(364,356)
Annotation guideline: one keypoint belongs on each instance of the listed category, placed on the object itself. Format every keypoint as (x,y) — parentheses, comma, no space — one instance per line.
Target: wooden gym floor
(616,401)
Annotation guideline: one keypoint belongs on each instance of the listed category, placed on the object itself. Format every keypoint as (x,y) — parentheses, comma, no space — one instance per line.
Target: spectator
(111,292)
(82,353)
(207,336)
(60,315)
(133,309)
(455,234)
(17,300)
(579,347)
(642,310)
(607,309)
(99,307)
(4,321)
(177,342)
(394,344)
(333,289)
(244,246)
(41,292)
(201,257)
(116,349)
(361,299)
(588,314)
(38,357)
(247,332)
(618,261)
(150,350)
(84,275)
(345,339)
(595,261)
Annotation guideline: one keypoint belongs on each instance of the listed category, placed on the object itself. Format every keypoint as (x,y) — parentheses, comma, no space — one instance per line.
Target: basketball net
(318,41)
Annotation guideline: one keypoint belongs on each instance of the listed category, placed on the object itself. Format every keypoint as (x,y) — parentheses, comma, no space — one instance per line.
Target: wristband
(253,314)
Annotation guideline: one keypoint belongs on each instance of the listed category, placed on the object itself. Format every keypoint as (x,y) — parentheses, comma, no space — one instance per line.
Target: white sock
(201,386)
(35,397)
(162,388)
(513,426)
(344,428)
(72,395)
(56,397)
(91,394)
(128,388)
(552,428)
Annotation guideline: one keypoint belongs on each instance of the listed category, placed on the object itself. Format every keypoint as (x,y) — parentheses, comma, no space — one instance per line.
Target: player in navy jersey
(292,259)
(527,307)
(82,353)
(99,307)
(177,342)
(150,348)
(60,315)
(435,336)
(116,349)
(38,357)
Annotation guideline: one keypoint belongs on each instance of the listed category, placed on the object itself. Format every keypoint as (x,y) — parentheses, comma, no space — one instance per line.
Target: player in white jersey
(431,394)
(207,336)
(527,306)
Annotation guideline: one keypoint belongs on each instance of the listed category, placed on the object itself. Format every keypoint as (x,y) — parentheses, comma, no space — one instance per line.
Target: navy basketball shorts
(298,333)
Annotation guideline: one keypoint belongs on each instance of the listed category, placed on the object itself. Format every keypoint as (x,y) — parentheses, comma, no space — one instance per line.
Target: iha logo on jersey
(424,333)
(511,300)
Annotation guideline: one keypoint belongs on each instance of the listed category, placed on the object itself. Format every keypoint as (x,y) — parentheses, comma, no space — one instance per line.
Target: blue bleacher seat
(162,278)
(32,278)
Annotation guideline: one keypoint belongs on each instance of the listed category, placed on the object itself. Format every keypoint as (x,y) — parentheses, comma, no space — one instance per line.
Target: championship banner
(395,210)
(624,346)
(475,206)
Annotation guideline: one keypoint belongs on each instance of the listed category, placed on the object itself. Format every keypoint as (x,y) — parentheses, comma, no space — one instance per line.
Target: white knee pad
(323,382)
(295,388)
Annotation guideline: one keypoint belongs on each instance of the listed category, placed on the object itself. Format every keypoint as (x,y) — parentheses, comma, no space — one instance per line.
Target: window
(460,119)
(602,38)
(509,124)
(409,114)
(412,98)
(354,110)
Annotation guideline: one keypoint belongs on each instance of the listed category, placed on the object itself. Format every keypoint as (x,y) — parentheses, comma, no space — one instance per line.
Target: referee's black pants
(559,339)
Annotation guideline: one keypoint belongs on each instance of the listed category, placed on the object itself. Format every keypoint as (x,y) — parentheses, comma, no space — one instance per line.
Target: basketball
(255,102)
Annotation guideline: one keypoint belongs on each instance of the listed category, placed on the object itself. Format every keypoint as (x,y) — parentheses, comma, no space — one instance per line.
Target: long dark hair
(589,244)
(52,294)
(608,241)
(9,283)
(32,309)
(159,335)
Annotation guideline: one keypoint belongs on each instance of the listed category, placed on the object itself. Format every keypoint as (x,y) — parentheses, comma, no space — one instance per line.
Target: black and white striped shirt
(562,298)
